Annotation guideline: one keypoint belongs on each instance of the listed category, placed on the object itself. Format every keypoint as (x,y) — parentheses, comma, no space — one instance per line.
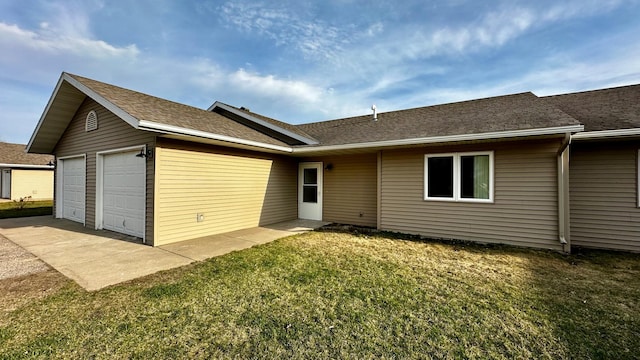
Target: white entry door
(6,184)
(310,191)
(73,189)
(123,193)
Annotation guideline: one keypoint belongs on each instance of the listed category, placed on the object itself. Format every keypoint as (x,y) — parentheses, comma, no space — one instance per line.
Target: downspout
(563,193)
(379,191)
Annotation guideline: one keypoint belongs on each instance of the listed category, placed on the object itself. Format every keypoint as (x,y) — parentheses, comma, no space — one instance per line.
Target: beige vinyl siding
(350,189)
(112,133)
(524,212)
(35,183)
(603,190)
(233,189)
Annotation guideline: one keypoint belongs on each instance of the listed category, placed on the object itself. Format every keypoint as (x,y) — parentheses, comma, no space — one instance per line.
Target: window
(459,177)
(310,186)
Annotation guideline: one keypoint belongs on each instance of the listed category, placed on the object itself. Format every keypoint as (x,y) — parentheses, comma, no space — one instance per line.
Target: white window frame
(456,177)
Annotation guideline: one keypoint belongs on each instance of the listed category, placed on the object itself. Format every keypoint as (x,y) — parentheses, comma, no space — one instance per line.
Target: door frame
(311,165)
(59,195)
(100,185)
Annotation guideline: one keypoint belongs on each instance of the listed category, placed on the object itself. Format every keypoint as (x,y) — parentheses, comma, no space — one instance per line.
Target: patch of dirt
(19,291)
(23,277)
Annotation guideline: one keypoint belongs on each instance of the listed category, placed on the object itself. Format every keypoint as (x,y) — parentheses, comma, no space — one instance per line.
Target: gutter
(26,166)
(176,130)
(441,139)
(588,135)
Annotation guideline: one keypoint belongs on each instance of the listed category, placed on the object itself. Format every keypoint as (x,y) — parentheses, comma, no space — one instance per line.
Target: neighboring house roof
(510,114)
(14,155)
(605,112)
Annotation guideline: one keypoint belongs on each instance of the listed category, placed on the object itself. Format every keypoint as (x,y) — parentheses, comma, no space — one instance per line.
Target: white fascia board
(176,130)
(26,166)
(44,113)
(444,139)
(263,123)
(101,100)
(603,134)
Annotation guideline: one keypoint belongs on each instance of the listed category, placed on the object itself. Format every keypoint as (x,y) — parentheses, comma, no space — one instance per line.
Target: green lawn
(32,208)
(340,295)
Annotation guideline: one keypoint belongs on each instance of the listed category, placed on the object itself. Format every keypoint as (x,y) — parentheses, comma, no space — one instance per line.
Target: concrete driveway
(96,259)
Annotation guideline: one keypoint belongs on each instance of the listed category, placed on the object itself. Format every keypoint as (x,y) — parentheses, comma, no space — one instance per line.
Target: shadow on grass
(32,208)
(26,212)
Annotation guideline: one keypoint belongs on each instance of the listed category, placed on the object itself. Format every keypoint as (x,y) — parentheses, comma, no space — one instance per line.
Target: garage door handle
(123,223)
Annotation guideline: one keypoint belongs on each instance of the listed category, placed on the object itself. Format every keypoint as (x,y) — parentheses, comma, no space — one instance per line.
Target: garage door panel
(73,189)
(124,177)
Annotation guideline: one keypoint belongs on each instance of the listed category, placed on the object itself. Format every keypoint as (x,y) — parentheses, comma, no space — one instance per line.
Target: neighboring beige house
(23,175)
(493,170)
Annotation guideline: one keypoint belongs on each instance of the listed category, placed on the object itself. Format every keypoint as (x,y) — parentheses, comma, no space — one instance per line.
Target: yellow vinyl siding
(603,190)
(233,189)
(525,207)
(112,133)
(35,183)
(350,189)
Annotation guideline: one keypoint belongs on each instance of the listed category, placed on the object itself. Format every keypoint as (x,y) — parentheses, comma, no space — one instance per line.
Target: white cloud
(13,37)
(271,86)
(315,39)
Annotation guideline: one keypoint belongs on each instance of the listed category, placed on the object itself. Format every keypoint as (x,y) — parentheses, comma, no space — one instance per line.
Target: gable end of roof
(65,100)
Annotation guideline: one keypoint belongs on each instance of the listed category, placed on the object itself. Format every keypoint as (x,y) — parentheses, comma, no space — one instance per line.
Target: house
(492,170)
(23,175)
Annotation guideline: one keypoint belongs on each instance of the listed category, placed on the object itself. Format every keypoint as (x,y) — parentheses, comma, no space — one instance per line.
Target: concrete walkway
(96,259)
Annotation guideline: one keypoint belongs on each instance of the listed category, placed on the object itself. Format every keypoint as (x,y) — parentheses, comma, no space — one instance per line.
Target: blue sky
(302,61)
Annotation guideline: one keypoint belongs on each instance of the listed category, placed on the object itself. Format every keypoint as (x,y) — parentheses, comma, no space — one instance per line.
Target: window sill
(470,201)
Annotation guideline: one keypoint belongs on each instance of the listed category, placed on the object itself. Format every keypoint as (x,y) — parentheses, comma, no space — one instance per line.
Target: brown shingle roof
(150,108)
(15,154)
(606,109)
(503,113)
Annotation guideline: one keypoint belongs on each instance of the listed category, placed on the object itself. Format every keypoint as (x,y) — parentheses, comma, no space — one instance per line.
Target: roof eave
(26,166)
(44,113)
(263,123)
(606,134)
(445,139)
(176,130)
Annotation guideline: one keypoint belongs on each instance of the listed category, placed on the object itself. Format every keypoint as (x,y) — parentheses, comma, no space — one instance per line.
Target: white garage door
(73,189)
(124,193)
